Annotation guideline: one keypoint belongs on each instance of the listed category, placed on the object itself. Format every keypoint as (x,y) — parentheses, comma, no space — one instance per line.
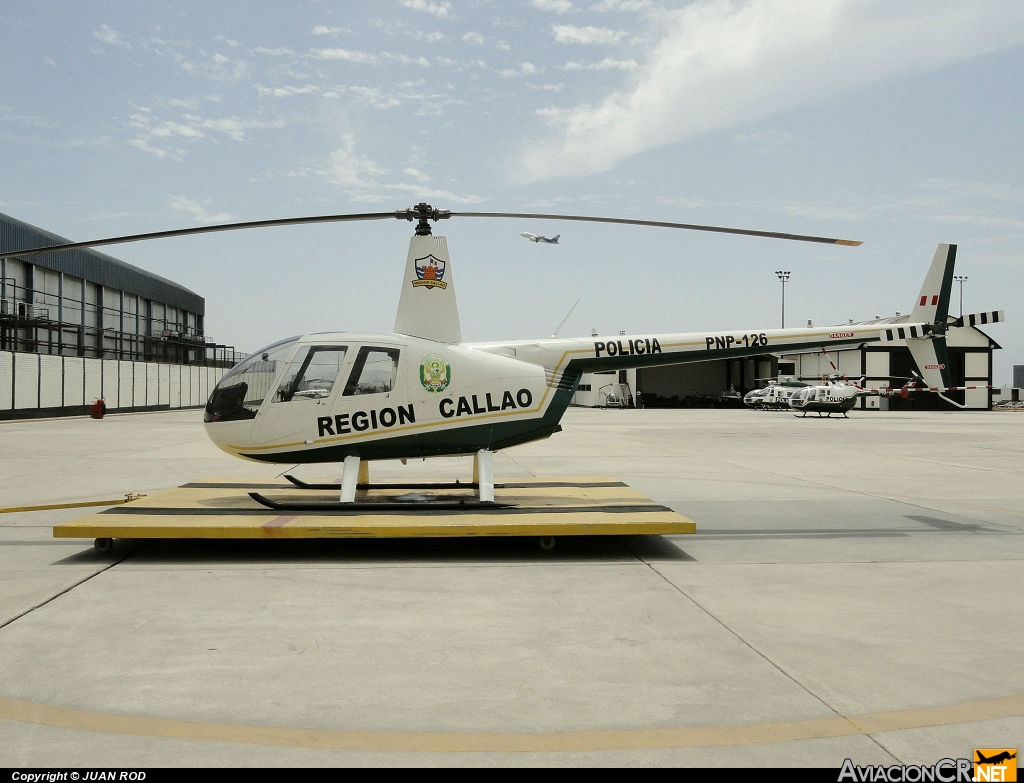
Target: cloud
(197,211)
(346,55)
(110,37)
(323,29)
(289,90)
(607,64)
(350,168)
(440,10)
(717,63)
(570,33)
(164,138)
(621,6)
(554,6)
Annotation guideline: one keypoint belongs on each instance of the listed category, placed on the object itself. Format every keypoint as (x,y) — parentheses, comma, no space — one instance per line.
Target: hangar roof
(97,267)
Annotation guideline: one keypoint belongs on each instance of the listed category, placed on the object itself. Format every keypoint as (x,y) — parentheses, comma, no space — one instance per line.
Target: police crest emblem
(430,272)
(435,373)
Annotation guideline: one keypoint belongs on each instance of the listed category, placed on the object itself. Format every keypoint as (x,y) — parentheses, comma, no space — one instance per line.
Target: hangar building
(79,325)
(707,384)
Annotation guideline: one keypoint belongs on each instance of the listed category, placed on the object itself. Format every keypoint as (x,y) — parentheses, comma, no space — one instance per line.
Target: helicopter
(421,391)
(773,396)
(834,395)
(838,394)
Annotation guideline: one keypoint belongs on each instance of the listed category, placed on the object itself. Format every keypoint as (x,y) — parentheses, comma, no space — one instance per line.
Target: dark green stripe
(382,486)
(422,510)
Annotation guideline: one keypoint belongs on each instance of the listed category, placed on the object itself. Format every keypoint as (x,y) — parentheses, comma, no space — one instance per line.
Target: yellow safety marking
(128,498)
(862,724)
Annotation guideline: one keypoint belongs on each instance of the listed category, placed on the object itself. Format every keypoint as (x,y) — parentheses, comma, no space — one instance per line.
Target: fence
(36,385)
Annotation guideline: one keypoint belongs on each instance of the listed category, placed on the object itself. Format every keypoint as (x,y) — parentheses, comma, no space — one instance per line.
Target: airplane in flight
(421,391)
(538,238)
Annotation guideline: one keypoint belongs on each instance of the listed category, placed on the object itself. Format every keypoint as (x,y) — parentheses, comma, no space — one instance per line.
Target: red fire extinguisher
(99,408)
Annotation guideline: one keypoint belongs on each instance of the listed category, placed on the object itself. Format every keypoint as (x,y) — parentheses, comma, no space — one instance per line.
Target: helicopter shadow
(435,550)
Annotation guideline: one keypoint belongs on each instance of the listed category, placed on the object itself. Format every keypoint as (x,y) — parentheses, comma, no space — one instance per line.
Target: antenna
(555,333)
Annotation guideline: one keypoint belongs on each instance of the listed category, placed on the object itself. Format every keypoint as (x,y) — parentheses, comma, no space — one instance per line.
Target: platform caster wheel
(103,544)
(547,543)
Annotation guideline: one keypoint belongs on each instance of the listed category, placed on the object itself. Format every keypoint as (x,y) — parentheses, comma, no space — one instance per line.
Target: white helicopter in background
(774,396)
(834,395)
(422,391)
(838,394)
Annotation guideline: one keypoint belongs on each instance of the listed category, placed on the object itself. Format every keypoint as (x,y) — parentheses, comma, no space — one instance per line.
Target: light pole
(960,279)
(783,277)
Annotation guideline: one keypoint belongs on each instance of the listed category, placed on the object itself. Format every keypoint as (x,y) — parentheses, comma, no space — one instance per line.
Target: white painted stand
(354,473)
(483,475)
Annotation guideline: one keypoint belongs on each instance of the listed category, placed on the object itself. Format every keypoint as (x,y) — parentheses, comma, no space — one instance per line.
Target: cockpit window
(312,373)
(808,394)
(373,371)
(239,394)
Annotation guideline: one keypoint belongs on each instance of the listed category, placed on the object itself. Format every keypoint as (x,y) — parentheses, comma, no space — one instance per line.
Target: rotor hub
(422,213)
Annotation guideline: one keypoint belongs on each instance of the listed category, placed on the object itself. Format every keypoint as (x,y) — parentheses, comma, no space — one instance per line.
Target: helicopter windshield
(808,394)
(239,394)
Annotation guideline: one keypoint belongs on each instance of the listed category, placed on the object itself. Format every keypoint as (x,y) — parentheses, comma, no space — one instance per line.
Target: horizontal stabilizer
(893,333)
(911,331)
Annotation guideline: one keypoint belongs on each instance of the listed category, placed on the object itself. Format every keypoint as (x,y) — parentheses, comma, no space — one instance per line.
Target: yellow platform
(591,506)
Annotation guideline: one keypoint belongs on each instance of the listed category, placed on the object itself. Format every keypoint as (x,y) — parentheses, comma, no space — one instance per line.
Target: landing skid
(383,504)
(355,480)
(336,485)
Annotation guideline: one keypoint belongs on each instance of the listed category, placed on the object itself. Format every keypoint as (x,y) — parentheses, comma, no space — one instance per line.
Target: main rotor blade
(422,213)
(180,232)
(718,229)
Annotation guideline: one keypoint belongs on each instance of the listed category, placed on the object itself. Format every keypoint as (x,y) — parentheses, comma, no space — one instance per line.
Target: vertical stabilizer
(427,307)
(932,307)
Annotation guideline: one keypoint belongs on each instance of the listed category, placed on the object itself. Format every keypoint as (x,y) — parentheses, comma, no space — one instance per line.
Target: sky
(898,124)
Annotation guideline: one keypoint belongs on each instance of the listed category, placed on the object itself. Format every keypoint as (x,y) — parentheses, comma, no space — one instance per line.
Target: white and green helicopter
(421,391)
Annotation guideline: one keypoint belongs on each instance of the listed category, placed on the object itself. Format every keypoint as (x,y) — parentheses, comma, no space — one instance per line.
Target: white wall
(31,382)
